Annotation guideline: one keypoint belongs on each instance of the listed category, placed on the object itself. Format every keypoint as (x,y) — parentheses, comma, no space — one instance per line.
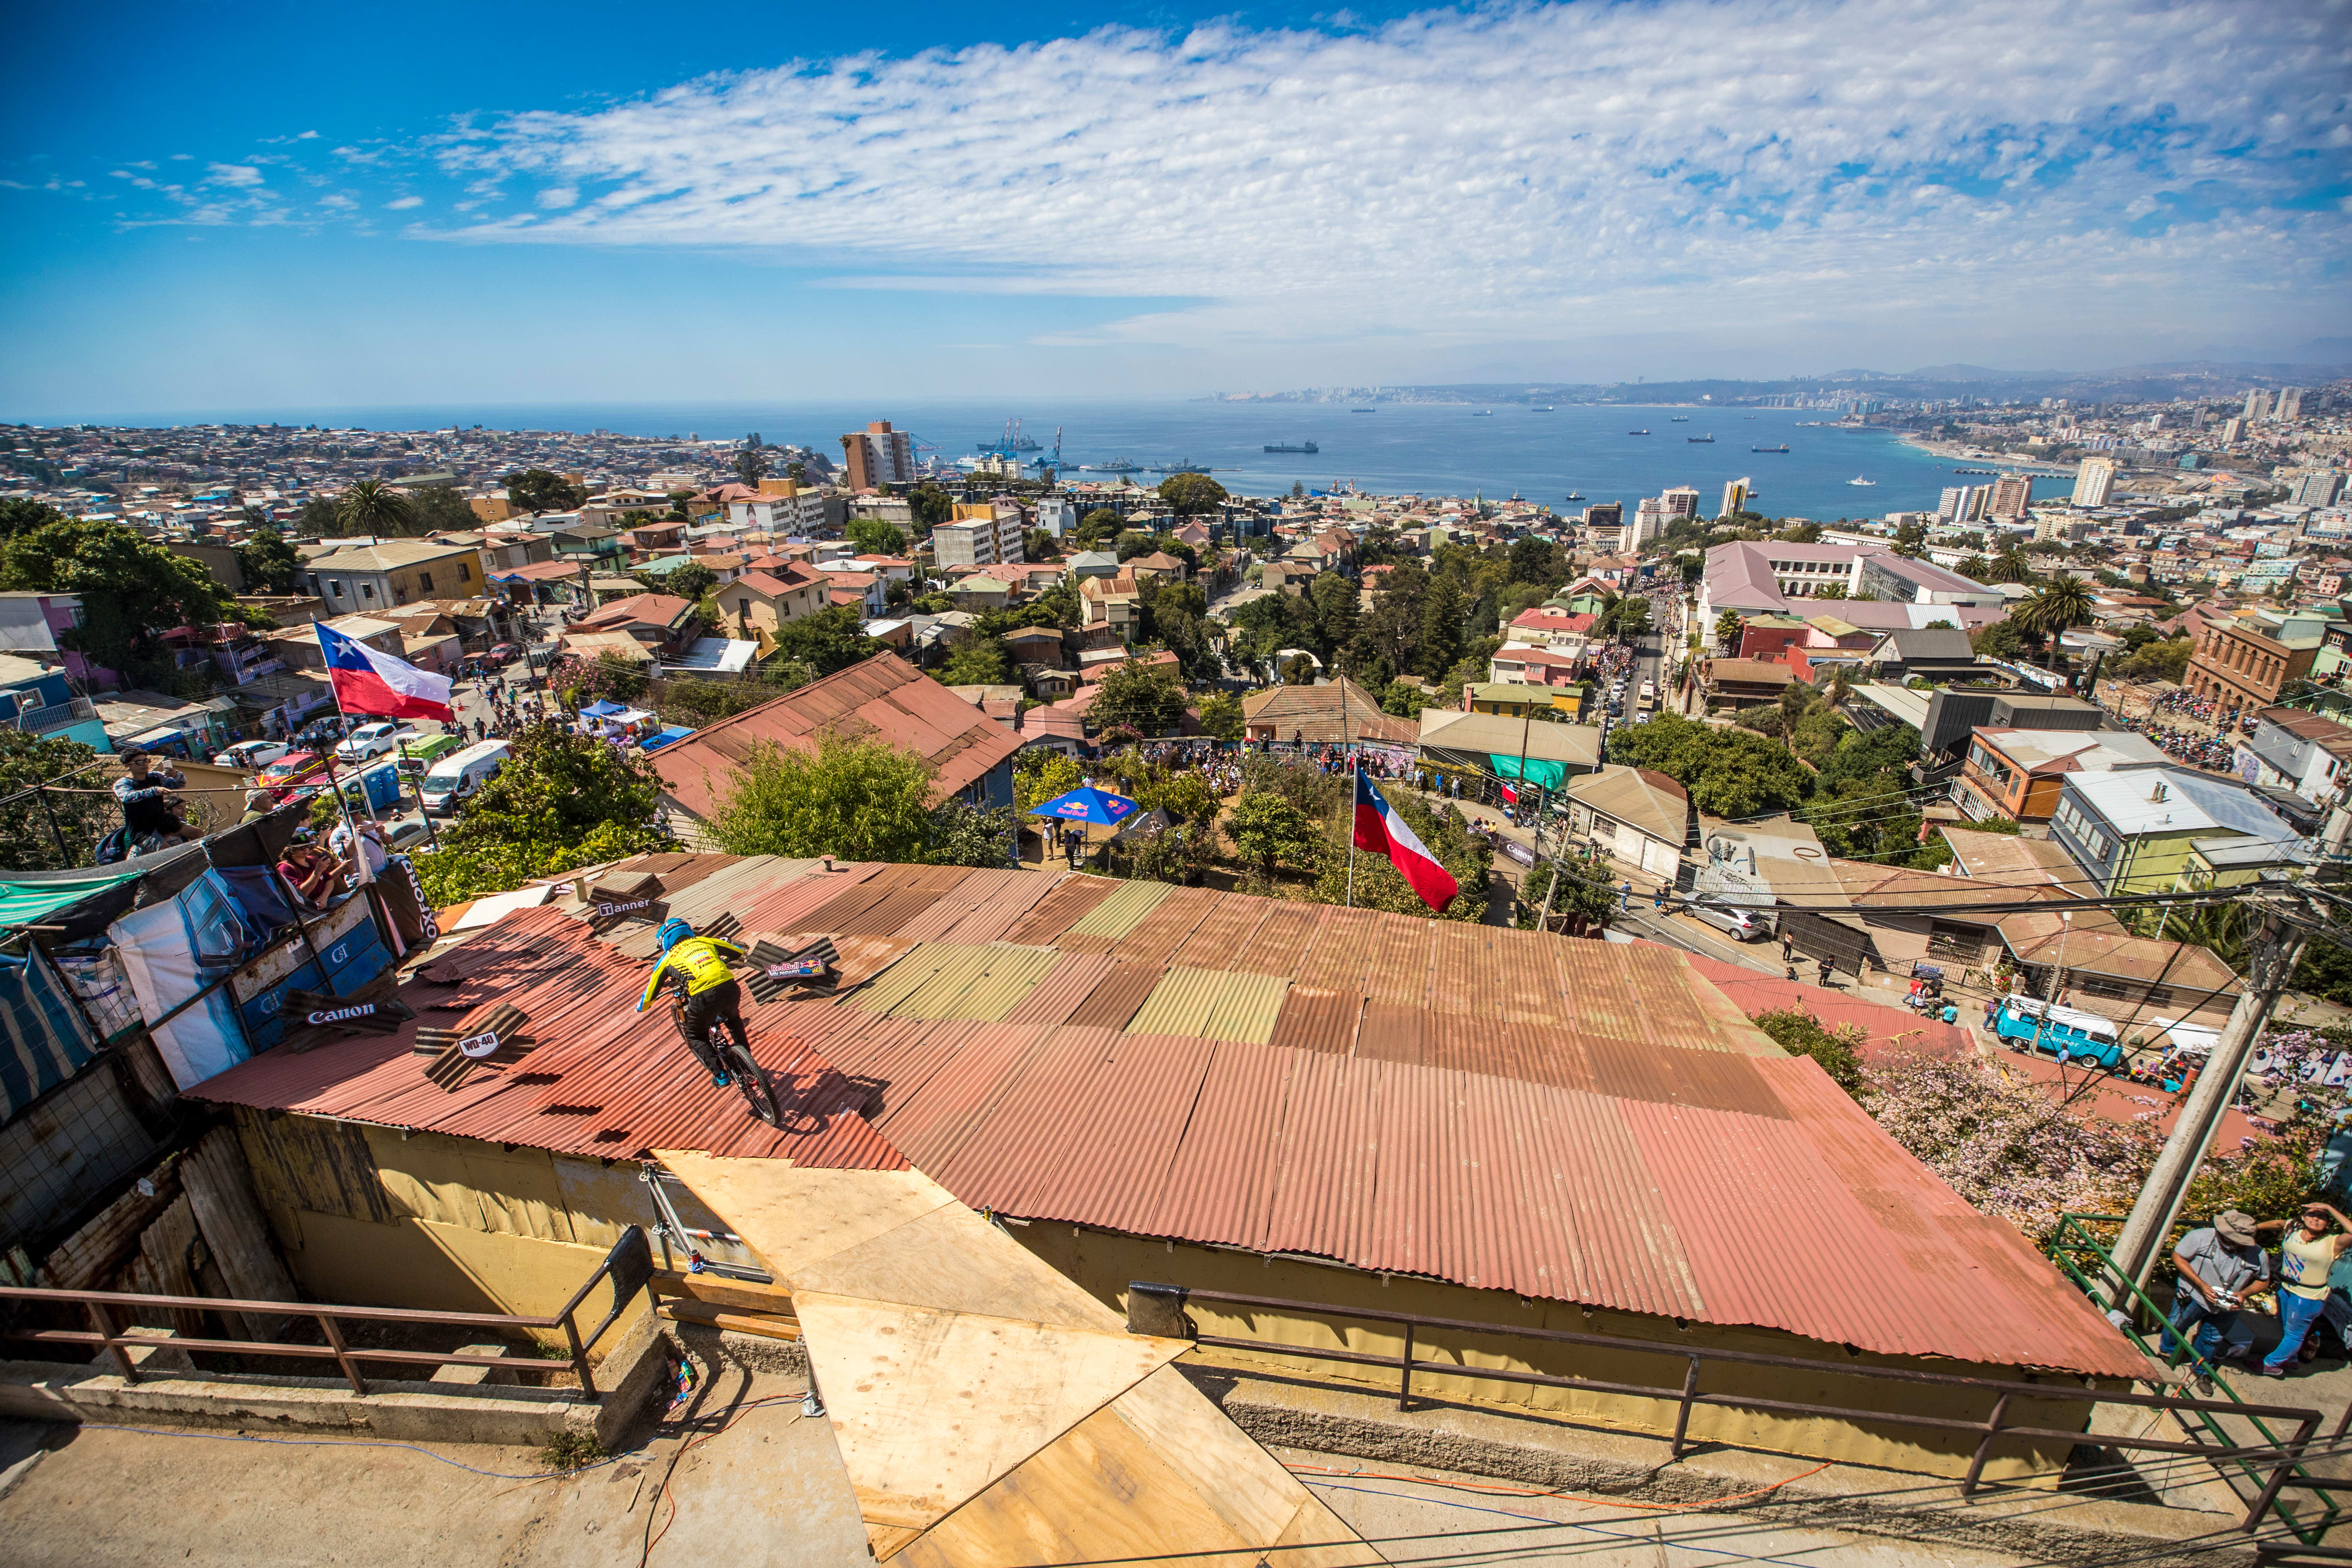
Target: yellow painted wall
(368,1218)
(1105,1265)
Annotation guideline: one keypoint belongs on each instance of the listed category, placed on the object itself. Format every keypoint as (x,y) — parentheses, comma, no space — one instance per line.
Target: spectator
(2307,1255)
(258,803)
(311,872)
(368,838)
(151,806)
(2220,1266)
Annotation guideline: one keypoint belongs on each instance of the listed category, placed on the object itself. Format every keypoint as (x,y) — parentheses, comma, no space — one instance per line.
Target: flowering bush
(2002,1144)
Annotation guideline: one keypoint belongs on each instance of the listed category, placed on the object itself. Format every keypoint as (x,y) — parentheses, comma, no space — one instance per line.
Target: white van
(456,776)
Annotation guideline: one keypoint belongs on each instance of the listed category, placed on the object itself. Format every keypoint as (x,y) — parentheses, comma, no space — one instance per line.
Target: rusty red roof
(883,698)
(602,1079)
(1576,1120)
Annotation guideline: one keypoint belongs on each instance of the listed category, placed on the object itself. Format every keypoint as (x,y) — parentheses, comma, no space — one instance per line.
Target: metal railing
(2083,1259)
(1154,1309)
(629,1266)
(56,716)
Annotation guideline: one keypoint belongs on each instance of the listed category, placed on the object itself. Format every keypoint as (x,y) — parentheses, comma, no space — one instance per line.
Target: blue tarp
(600,708)
(43,1041)
(669,737)
(1086,805)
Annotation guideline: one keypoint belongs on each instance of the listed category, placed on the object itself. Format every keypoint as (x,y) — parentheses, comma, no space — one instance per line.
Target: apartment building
(2166,830)
(2019,773)
(2095,481)
(2245,661)
(880,455)
(2012,495)
(782,505)
(1753,576)
(982,534)
(371,576)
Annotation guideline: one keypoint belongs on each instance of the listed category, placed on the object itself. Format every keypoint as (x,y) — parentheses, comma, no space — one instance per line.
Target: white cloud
(1550,171)
(232,174)
(402,203)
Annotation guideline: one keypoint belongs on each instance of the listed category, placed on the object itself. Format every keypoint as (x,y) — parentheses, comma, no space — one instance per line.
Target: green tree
(26,842)
(1270,832)
(862,800)
(1221,716)
(1727,631)
(1147,698)
(1039,544)
(1404,699)
(1728,773)
(877,536)
(930,506)
(751,463)
(826,641)
(2059,604)
(1441,615)
(691,581)
(1191,494)
(132,592)
(1800,1034)
(1040,774)
(558,801)
(372,506)
(981,662)
(270,564)
(2009,639)
(538,489)
(439,508)
(1535,561)
(1335,599)
(2165,660)
(22,514)
(2011,566)
(967,835)
(1098,528)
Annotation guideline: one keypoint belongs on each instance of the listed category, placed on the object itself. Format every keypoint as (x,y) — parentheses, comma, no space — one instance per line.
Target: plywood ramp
(989,1412)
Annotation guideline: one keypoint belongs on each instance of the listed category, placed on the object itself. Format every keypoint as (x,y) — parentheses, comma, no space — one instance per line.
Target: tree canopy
(269,563)
(1729,773)
(538,489)
(27,843)
(863,800)
(558,801)
(1149,698)
(826,641)
(131,590)
(877,536)
(1191,494)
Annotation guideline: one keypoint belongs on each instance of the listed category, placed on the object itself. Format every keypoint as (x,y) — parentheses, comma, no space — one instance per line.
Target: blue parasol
(1086,805)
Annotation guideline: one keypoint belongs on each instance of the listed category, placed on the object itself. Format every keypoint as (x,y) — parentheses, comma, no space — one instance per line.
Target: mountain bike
(745,1073)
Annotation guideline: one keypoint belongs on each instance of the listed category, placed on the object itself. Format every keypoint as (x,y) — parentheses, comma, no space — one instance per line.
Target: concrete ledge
(433,1412)
(2067,1525)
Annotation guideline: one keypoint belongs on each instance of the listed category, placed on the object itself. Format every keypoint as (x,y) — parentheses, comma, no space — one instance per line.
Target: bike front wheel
(753,1082)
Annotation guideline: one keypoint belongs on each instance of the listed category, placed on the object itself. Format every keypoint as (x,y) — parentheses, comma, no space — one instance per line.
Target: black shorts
(722,1000)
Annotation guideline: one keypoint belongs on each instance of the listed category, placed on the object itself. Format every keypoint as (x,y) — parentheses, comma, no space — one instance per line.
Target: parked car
(290,770)
(500,656)
(405,833)
(373,740)
(251,755)
(456,777)
(1740,924)
(320,733)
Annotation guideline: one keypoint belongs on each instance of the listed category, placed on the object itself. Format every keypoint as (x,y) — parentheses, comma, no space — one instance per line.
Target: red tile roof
(884,697)
(636,610)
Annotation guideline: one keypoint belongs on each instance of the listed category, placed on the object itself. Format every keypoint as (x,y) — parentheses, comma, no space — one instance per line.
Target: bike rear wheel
(751,1081)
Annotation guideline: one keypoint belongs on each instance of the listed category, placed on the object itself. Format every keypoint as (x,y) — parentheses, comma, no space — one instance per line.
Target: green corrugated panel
(1123,911)
(1181,1004)
(902,979)
(982,983)
(1246,1007)
(952,971)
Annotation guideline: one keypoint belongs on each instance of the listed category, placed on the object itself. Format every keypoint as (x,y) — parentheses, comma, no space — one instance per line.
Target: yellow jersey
(700,963)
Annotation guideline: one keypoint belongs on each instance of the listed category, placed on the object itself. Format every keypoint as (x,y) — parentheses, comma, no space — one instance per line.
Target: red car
(282,775)
(502,655)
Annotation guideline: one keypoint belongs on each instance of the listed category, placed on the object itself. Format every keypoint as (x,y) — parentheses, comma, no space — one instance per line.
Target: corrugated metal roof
(1577,1121)
(602,1079)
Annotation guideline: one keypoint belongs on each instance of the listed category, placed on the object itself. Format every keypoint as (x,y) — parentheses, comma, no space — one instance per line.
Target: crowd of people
(2195,747)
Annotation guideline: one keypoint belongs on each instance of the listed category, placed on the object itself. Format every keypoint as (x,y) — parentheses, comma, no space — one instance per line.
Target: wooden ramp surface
(989,1413)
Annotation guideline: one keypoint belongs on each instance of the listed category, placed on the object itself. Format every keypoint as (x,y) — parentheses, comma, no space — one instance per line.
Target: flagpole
(1355,790)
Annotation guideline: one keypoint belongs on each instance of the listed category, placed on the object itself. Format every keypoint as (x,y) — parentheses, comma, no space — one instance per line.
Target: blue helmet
(673,931)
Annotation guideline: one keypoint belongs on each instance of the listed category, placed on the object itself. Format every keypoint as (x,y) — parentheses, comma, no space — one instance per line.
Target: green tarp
(23,903)
(1540,771)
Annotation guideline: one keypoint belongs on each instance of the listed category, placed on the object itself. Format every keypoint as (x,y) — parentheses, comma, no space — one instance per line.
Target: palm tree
(372,506)
(2013,565)
(2060,603)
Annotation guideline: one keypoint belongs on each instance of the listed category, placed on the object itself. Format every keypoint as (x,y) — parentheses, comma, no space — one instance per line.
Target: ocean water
(1418,448)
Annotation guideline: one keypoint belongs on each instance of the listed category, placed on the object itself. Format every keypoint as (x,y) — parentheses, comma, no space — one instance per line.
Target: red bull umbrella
(1086,805)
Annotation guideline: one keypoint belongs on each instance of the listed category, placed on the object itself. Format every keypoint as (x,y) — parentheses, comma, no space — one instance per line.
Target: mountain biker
(706,992)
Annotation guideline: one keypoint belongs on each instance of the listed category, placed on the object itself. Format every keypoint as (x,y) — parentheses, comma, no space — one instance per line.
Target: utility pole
(2272,950)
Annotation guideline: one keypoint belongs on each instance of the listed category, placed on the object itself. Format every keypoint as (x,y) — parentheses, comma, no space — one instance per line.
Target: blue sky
(269,204)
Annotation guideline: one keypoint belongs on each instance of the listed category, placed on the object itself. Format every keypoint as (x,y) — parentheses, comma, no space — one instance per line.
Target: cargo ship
(1782,448)
(1706,440)
(1308,447)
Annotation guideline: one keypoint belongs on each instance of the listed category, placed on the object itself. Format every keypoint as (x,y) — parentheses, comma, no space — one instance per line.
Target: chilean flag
(376,683)
(1380,829)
